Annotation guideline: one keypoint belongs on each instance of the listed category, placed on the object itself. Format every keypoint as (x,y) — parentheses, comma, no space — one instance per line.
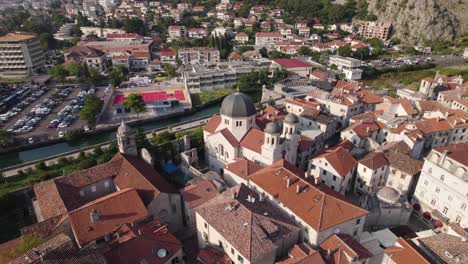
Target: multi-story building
(242,217)
(442,190)
(176,32)
(325,213)
(20,54)
(371,173)
(242,37)
(403,172)
(374,29)
(349,66)
(201,55)
(267,38)
(335,168)
(197,33)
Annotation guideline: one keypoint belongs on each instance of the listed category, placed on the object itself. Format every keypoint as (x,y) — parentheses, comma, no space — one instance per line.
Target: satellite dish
(336,231)
(162,253)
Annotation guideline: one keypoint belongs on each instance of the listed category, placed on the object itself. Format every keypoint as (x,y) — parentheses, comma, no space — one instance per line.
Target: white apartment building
(403,172)
(176,32)
(335,168)
(263,39)
(371,173)
(348,66)
(442,189)
(201,55)
(20,54)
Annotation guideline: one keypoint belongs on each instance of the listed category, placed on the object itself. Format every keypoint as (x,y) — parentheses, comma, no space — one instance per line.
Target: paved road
(50,161)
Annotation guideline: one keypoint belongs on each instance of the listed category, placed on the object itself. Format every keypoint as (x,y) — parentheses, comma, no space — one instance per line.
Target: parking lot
(46,113)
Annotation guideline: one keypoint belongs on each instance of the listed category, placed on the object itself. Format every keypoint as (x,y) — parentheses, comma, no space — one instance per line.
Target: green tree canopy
(134,25)
(91,109)
(58,72)
(135,102)
(345,51)
(117,75)
(5,137)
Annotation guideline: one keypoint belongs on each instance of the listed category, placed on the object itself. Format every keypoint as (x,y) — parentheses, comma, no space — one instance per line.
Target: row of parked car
(400,61)
(23,104)
(66,115)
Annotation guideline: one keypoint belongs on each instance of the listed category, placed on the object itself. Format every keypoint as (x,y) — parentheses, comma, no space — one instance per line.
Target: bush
(87,163)
(40,166)
(73,135)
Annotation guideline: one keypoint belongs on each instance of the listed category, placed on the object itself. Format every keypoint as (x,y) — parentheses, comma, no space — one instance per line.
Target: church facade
(236,134)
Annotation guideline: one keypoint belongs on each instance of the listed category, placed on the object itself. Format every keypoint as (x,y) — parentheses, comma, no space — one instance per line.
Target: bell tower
(126,140)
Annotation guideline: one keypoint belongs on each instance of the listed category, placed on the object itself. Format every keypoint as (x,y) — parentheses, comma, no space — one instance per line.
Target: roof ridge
(102,199)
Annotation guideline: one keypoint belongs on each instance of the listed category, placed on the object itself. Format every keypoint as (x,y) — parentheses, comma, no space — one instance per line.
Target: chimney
(317,180)
(444,156)
(298,188)
(288,182)
(249,198)
(139,232)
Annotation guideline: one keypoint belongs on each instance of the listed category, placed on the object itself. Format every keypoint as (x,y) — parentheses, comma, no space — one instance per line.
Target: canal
(15,158)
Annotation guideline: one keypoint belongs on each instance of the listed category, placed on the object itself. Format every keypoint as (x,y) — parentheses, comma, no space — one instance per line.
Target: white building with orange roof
(344,249)
(335,168)
(242,37)
(371,173)
(325,213)
(403,252)
(265,39)
(365,134)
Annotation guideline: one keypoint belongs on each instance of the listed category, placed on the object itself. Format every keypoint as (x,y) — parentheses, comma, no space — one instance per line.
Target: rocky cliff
(417,20)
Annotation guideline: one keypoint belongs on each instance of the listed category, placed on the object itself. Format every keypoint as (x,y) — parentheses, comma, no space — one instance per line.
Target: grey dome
(272,128)
(238,105)
(388,195)
(124,129)
(291,118)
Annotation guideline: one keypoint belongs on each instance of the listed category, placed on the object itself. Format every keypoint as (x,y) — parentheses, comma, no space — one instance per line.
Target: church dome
(272,128)
(388,195)
(124,129)
(291,118)
(238,105)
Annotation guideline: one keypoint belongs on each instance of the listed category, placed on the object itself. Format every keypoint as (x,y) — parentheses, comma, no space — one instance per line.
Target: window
(358,221)
(227,155)
(445,210)
(433,201)
(463,206)
(174,208)
(437,190)
(364,169)
(334,178)
(240,259)
(206,225)
(355,232)
(93,188)
(458,219)
(232,251)
(442,178)
(220,244)
(426,182)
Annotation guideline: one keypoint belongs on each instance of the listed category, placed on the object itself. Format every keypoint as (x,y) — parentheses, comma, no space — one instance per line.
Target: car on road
(30,140)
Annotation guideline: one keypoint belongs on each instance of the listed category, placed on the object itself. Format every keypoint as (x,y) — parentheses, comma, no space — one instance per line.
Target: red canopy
(438,223)
(427,215)
(416,207)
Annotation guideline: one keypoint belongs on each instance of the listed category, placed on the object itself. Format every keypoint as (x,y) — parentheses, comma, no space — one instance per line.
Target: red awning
(438,223)
(416,207)
(427,215)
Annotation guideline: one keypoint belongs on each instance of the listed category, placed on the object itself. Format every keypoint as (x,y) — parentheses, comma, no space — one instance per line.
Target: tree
(5,137)
(304,51)
(170,70)
(345,51)
(91,108)
(134,25)
(135,102)
(74,69)
(377,46)
(117,75)
(48,41)
(362,53)
(264,52)
(162,137)
(58,72)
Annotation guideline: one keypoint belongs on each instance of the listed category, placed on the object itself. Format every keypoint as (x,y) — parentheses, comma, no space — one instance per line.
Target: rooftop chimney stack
(288,182)
(298,188)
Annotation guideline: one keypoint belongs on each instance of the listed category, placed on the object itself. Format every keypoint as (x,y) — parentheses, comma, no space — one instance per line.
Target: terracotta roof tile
(403,253)
(253,140)
(198,193)
(323,209)
(374,160)
(341,247)
(248,226)
(404,162)
(243,168)
(114,210)
(229,137)
(212,124)
(142,241)
(441,244)
(340,159)
(457,152)
(302,254)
